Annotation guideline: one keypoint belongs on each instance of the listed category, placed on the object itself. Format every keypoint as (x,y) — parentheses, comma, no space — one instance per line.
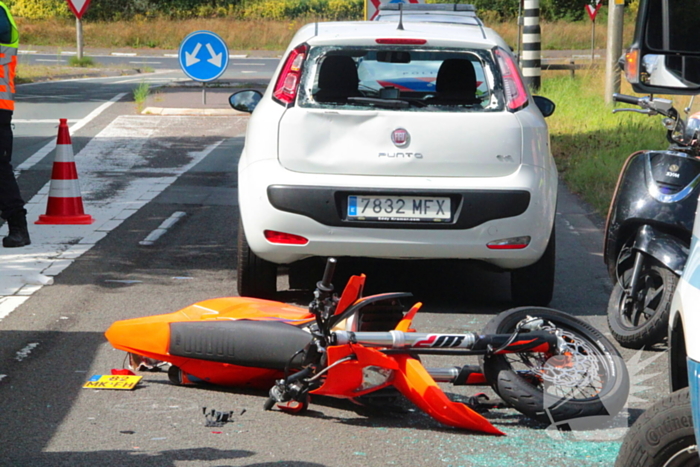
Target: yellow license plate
(112,382)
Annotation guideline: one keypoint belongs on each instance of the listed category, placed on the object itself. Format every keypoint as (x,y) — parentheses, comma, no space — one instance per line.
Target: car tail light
(284,238)
(287,83)
(513,243)
(400,41)
(632,66)
(516,96)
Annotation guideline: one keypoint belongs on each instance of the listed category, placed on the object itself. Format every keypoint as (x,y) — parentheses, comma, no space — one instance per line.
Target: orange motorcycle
(548,365)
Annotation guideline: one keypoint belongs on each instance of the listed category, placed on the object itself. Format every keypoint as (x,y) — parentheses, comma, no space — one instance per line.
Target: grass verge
(260,34)
(589,142)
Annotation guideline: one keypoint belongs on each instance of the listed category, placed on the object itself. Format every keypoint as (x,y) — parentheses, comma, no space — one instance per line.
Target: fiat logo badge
(400,138)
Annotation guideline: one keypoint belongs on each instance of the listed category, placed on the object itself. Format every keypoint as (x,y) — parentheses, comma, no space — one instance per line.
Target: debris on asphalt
(214,418)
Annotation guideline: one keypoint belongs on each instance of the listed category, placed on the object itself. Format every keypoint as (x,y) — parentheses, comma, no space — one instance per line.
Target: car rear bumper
(273,198)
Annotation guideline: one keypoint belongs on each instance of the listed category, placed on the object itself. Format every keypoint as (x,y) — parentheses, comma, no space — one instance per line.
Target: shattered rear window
(402,79)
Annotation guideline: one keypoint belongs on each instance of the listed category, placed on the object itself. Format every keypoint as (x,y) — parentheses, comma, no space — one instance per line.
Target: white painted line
(24,353)
(250,64)
(162,228)
(123,54)
(139,63)
(49,60)
(238,56)
(248,71)
(43,152)
(38,120)
(26,52)
(121,150)
(170,55)
(69,53)
(9,304)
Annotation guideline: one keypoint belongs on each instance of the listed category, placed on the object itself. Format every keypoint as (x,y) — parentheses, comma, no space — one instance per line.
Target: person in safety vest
(11,202)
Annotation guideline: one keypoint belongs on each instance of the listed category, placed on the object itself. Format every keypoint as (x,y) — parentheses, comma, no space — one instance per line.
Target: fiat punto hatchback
(397,141)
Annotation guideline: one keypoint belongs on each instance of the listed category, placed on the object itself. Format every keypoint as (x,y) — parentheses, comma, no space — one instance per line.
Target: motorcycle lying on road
(649,225)
(546,364)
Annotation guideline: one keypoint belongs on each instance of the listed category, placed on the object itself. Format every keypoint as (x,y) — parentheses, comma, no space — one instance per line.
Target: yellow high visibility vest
(8,65)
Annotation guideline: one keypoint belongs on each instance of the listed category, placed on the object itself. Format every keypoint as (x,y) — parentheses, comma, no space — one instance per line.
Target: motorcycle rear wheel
(592,384)
(644,321)
(663,436)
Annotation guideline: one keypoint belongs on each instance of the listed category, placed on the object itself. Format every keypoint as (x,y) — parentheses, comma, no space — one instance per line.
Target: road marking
(43,152)
(117,177)
(49,60)
(141,63)
(162,228)
(250,64)
(39,120)
(123,54)
(24,353)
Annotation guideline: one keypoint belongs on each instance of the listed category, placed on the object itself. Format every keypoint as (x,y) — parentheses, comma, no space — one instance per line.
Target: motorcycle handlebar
(325,284)
(626,99)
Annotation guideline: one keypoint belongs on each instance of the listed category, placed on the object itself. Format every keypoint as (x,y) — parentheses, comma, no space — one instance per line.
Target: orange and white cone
(65,205)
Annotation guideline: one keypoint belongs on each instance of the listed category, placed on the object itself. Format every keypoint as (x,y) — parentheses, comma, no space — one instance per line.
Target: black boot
(19,233)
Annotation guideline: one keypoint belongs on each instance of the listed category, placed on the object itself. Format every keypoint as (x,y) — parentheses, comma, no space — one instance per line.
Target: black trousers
(11,201)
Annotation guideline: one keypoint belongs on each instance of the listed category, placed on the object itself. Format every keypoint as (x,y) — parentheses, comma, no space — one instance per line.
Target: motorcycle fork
(634,285)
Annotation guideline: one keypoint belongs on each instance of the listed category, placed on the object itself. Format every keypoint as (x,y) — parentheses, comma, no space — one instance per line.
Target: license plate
(399,208)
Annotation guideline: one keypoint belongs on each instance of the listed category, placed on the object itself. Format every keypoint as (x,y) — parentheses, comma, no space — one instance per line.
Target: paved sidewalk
(190,99)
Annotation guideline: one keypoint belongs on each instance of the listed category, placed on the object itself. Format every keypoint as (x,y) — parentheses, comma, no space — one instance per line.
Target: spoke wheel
(587,380)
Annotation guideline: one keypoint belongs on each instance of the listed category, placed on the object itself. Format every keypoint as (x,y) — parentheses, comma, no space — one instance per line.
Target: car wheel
(534,284)
(663,436)
(256,277)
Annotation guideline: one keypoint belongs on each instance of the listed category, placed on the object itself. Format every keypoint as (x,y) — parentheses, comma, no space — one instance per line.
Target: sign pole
(79,34)
(204,93)
(592,39)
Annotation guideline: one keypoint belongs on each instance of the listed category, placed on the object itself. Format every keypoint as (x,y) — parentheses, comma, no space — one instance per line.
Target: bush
(39,9)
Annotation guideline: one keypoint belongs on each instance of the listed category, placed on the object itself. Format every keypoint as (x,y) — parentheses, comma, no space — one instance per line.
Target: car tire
(663,436)
(256,277)
(534,285)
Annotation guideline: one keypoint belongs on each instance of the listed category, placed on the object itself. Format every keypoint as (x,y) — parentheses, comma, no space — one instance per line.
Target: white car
(395,140)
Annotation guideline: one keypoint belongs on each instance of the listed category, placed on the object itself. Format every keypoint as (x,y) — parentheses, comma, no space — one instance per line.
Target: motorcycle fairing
(409,377)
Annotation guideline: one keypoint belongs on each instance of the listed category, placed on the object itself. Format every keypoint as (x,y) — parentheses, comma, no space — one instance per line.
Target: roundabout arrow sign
(203,56)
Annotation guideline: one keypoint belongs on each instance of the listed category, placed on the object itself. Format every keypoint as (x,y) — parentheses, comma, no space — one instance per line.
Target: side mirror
(665,53)
(245,101)
(545,105)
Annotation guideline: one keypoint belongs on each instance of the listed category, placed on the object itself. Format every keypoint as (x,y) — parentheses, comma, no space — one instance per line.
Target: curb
(193,112)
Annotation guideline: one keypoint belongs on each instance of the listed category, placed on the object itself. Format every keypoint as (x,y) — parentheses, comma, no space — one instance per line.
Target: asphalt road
(136,171)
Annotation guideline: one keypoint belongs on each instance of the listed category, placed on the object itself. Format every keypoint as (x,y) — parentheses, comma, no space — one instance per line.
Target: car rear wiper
(386,103)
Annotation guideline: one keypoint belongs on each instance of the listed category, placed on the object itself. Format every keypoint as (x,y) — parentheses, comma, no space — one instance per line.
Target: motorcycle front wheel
(640,321)
(583,387)
(663,436)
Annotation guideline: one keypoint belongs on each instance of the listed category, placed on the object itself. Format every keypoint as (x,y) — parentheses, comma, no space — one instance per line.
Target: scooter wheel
(663,436)
(642,321)
(583,388)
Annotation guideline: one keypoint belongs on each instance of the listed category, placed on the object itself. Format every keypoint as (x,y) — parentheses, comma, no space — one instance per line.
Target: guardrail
(571,66)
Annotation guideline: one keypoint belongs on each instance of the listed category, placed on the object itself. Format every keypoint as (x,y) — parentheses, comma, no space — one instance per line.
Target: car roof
(459,13)
(365,33)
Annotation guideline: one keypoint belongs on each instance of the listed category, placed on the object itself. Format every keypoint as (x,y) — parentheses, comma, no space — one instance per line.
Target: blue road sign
(203,56)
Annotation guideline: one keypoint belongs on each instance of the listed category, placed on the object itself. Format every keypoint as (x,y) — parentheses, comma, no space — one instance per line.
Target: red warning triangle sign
(592,10)
(78,7)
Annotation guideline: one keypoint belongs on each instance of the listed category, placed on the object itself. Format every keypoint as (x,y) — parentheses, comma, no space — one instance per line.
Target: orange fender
(418,386)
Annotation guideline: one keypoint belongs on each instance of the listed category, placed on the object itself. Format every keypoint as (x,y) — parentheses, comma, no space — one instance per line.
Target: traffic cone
(65,205)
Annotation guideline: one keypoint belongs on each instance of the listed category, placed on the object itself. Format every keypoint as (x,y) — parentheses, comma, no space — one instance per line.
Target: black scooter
(649,226)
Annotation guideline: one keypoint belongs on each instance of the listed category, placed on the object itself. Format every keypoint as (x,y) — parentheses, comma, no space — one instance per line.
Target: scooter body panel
(665,248)
(655,188)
